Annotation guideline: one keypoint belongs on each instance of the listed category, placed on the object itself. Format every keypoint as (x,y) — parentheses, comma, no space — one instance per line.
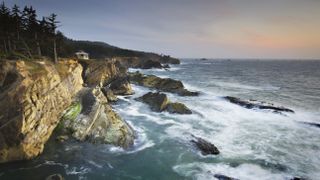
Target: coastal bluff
(32,97)
(35,97)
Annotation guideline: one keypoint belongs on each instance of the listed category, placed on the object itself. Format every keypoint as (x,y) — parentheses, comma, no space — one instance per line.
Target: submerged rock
(178,108)
(163,84)
(97,122)
(223,177)
(157,101)
(298,178)
(253,104)
(312,124)
(33,96)
(55,177)
(62,138)
(204,146)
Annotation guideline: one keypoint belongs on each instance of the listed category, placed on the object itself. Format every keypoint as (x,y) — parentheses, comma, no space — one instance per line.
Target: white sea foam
(141,142)
(95,164)
(206,171)
(262,140)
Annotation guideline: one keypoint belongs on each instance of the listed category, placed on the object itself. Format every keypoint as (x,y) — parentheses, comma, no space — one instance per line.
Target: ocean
(254,144)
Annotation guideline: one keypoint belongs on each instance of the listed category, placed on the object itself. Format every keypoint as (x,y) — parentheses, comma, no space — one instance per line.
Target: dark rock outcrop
(121,86)
(253,104)
(223,177)
(159,102)
(204,146)
(101,73)
(107,74)
(55,177)
(97,122)
(312,124)
(162,84)
(109,94)
(149,64)
(146,62)
(178,108)
(298,178)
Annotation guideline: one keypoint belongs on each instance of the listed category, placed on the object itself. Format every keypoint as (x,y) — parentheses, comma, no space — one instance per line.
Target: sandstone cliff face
(101,72)
(107,74)
(32,97)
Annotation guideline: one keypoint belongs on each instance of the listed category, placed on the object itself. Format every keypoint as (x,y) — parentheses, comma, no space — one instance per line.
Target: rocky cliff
(32,97)
(35,95)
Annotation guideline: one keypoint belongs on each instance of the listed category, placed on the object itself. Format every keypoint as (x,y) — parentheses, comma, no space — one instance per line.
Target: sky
(288,29)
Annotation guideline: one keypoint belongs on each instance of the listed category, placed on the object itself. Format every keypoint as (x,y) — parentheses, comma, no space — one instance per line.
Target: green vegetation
(72,112)
(23,35)
(70,115)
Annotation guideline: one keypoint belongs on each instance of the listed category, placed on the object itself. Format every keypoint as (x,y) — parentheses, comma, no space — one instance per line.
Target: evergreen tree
(16,18)
(52,22)
(4,29)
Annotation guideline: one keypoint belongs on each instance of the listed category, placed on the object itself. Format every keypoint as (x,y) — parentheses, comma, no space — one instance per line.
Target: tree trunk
(27,48)
(9,45)
(55,51)
(38,44)
(5,46)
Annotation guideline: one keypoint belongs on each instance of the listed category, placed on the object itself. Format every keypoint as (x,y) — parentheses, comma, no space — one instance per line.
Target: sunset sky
(194,28)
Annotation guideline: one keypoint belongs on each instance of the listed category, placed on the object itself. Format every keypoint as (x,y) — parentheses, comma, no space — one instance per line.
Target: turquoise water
(253,144)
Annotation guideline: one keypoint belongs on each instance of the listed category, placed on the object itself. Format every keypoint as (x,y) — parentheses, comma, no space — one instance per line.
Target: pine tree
(16,18)
(52,22)
(4,21)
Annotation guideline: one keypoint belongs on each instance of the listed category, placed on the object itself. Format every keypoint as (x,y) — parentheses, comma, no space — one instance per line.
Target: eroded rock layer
(32,97)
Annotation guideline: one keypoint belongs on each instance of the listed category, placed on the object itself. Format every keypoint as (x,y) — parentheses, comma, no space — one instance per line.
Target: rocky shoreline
(70,99)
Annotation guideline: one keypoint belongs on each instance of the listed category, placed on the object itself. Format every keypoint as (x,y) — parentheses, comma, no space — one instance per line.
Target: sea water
(254,144)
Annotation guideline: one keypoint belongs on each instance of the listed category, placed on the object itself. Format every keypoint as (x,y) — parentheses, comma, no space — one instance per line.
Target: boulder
(162,84)
(178,108)
(204,146)
(253,104)
(55,177)
(157,101)
(121,86)
(97,122)
(33,96)
(62,138)
(109,94)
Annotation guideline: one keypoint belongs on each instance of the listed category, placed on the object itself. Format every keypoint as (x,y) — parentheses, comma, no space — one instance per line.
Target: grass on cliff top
(35,68)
